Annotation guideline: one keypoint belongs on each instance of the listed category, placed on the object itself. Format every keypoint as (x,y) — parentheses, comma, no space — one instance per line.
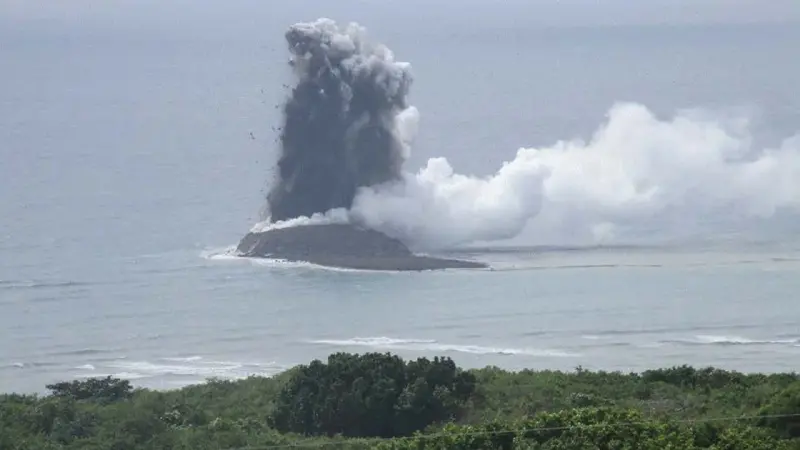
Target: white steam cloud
(637,172)
(636,169)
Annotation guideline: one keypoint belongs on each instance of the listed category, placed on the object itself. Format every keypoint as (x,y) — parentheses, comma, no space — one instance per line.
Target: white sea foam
(221,253)
(709,339)
(120,375)
(428,346)
(590,337)
(198,369)
(276,263)
(286,264)
(194,368)
(374,341)
(731,340)
(184,359)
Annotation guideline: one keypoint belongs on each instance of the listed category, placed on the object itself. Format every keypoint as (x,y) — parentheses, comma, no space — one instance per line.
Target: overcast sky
(194,14)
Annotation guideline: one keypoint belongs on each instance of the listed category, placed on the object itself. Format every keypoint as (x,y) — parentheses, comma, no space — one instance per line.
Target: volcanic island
(340,134)
(343,246)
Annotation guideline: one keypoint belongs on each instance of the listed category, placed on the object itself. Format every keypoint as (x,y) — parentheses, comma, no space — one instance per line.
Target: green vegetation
(380,401)
(373,395)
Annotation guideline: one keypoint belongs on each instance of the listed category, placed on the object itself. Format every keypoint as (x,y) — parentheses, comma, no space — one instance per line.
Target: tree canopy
(372,395)
(381,401)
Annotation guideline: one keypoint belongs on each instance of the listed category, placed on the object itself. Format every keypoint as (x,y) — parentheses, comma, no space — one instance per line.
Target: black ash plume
(339,122)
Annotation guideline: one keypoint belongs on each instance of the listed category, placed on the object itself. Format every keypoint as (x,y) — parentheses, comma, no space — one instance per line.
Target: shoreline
(344,246)
(478,369)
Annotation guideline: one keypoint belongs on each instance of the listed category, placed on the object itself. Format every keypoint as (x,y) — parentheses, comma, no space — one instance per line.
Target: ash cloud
(340,123)
(348,130)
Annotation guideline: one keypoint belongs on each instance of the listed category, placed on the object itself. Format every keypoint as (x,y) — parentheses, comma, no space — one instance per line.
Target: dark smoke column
(339,123)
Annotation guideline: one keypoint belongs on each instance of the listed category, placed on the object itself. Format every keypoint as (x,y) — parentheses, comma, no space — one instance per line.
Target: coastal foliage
(381,401)
(372,395)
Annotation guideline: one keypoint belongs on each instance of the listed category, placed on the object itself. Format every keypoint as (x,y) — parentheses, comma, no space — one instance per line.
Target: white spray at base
(636,172)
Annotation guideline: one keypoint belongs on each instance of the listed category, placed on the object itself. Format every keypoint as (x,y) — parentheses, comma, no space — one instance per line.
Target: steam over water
(348,130)
(129,169)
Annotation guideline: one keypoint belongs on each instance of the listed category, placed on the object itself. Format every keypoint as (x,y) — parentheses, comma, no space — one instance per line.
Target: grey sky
(177,14)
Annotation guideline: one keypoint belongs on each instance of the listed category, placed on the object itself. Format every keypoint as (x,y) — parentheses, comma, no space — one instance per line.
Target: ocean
(133,159)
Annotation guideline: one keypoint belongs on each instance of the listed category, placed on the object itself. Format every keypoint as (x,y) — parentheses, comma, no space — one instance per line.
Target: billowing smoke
(339,124)
(637,174)
(348,131)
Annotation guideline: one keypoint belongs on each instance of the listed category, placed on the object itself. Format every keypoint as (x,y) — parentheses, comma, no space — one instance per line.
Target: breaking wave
(188,370)
(731,340)
(432,346)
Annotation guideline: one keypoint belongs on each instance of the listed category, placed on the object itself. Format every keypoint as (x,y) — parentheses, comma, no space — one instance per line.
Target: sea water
(129,169)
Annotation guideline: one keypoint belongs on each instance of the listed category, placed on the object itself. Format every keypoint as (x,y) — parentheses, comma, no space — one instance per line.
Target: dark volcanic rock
(345,246)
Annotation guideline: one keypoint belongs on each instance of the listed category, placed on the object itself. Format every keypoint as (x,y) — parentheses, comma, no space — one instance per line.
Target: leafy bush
(371,395)
(586,429)
(782,414)
(95,389)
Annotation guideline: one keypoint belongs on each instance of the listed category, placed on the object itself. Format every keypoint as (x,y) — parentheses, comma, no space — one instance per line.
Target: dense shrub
(371,395)
(95,389)
(782,413)
(587,429)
